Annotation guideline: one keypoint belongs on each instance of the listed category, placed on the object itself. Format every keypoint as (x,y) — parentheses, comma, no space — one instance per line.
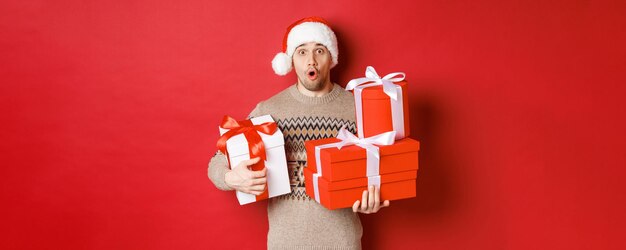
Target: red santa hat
(310,29)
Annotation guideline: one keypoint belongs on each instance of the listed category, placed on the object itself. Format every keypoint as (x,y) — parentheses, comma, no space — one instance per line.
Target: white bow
(368,143)
(387,81)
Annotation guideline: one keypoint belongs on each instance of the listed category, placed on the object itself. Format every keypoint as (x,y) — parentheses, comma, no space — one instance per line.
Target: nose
(311,61)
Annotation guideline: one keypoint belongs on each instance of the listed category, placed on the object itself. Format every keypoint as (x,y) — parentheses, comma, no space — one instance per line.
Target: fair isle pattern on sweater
(296,131)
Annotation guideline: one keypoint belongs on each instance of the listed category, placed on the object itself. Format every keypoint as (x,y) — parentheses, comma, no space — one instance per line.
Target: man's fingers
(259,181)
(370,201)
(355,207)
(258,188)
(252,191)
(252,161)
(376,199)
(386,203)
(247,163)
(364,201)
(259,174)
(256,192)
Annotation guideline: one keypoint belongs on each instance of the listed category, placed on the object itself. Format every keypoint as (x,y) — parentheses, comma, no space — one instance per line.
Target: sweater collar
(330,96)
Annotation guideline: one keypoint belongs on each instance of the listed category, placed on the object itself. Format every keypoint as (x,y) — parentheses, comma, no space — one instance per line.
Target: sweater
(297,221)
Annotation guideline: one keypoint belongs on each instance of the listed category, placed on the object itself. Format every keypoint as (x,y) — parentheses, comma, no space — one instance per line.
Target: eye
(320,51)
(301,52)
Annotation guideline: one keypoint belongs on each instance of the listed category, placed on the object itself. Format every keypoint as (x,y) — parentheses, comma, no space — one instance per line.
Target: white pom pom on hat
(310,29)
(281,64)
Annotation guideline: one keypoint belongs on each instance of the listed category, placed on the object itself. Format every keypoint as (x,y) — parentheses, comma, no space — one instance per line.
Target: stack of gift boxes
(340,169)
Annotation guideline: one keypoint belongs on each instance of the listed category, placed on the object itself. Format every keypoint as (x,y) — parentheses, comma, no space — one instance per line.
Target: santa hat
(310,29)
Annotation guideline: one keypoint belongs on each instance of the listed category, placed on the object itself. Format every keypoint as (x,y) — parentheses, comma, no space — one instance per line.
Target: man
(313,108)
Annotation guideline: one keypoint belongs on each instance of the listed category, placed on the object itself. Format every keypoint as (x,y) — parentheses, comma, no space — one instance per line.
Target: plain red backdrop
(110,112)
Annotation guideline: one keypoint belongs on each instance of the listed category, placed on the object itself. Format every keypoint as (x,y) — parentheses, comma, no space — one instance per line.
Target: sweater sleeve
(218,165)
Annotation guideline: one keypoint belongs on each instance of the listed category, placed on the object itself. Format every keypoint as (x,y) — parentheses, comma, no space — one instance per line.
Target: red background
(110,112)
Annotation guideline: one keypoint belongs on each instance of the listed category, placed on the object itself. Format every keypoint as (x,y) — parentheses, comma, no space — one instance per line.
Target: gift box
(342,194)
(257,137)
(350,161)
(381,104)
(340,169)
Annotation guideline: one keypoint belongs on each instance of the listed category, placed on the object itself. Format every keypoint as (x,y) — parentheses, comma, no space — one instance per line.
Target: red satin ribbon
(256,148)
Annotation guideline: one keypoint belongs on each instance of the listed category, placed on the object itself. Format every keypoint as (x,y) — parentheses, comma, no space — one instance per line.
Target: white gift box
(276,161)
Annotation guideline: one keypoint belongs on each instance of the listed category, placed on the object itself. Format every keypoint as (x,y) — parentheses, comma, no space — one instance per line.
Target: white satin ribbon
(373,154)
(392,90)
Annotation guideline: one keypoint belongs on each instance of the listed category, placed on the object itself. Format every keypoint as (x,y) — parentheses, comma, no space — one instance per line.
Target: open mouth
(312,74)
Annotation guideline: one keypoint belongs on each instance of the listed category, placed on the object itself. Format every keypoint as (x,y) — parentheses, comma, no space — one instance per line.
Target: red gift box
(381,104)
(349,161)
(339,169)
(342,194)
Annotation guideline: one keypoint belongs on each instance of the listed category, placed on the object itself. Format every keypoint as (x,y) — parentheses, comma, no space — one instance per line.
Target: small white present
(243,139)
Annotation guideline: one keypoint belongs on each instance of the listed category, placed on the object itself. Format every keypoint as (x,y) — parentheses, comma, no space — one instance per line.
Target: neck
(328,86)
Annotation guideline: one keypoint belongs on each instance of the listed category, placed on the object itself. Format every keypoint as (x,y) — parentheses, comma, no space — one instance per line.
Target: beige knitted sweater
(295,220)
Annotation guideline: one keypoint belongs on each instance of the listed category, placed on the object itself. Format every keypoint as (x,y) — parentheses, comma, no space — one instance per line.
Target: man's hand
(241,178)
(370,202)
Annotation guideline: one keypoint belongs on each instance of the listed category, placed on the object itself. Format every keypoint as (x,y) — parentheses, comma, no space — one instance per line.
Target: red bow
(256,147)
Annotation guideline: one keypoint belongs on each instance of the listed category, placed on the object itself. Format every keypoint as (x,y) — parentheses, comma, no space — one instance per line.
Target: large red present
(340,169)
(381,104)
(349,162)
(342,194)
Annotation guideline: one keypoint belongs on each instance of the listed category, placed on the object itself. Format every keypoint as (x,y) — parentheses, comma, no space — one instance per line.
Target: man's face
(312,62)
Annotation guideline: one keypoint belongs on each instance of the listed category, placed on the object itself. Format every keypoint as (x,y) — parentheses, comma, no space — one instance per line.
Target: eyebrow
(316,45)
